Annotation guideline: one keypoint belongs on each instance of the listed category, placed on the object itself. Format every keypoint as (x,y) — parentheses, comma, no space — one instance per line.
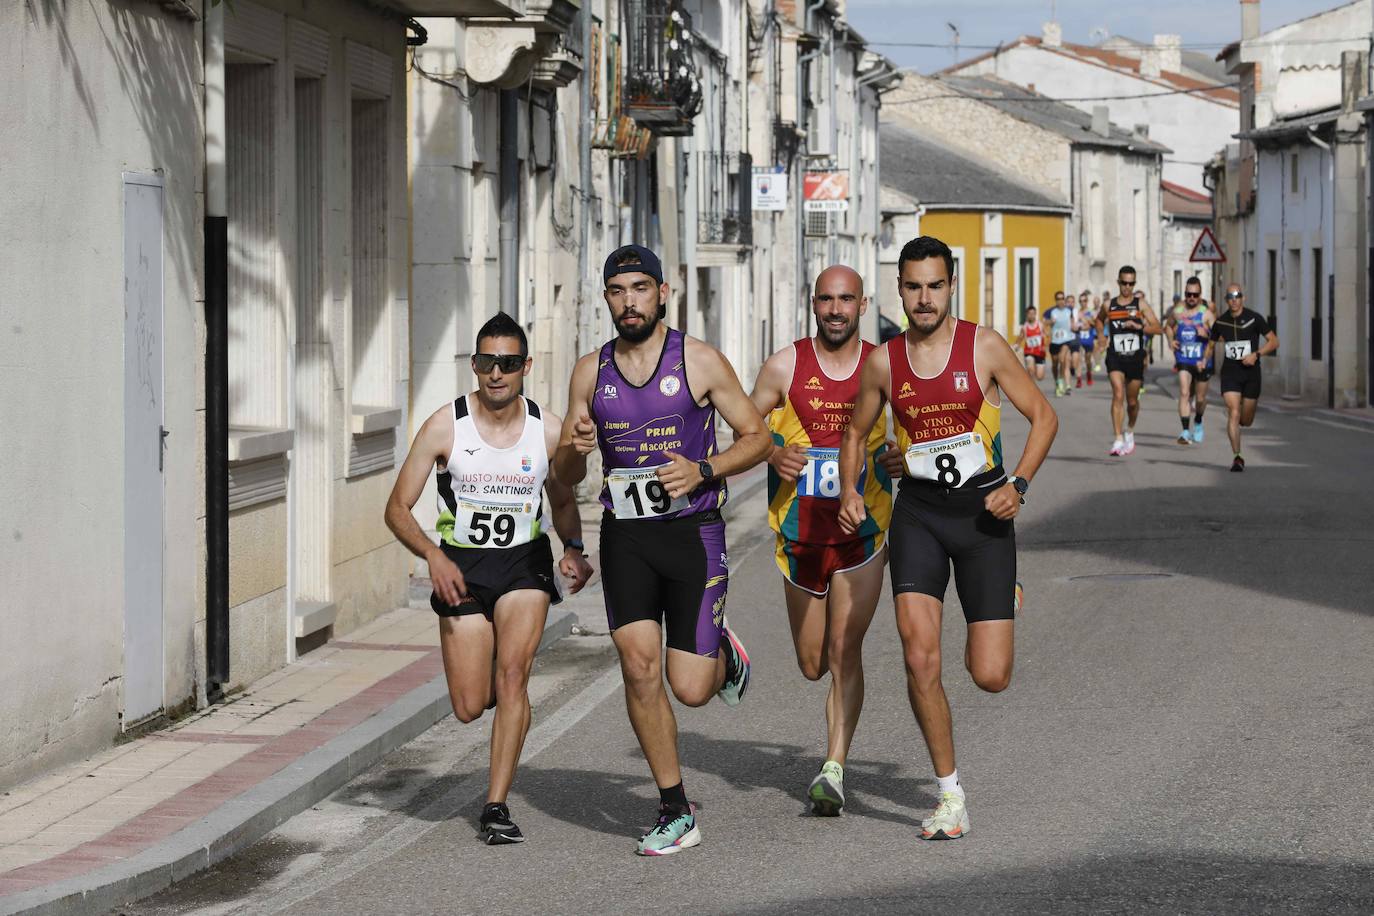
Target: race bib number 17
(1126,343)
(638,493)
(948,462)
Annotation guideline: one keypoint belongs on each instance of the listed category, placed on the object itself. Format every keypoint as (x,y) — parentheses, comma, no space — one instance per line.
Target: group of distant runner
(647,402)
(1118,328)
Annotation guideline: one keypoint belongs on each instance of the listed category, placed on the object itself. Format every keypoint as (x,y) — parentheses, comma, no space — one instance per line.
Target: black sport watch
(1021,484)
(706,472)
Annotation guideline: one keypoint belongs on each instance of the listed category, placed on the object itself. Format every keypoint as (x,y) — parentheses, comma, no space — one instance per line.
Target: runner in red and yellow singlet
(945,379)
(807,391)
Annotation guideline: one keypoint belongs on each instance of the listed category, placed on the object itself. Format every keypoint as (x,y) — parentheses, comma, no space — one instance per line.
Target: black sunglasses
(485,362)
(1125,283)
(1191,295)
(1231,297)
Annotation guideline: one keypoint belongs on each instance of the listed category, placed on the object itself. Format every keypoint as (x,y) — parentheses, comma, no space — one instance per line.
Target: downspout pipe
(510,201)
(586,127)
(1330,303)
(216,364)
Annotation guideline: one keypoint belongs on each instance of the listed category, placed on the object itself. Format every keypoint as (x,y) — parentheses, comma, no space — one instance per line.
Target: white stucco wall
(1194,126)
(105,89)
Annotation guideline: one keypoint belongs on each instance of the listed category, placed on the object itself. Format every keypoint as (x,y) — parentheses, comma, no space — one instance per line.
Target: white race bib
(486,523)
(1060,336)
(1237,349)
(1035,342)
(820,478)
(948,462)
(1190,350)
(637,493)
(1126,343)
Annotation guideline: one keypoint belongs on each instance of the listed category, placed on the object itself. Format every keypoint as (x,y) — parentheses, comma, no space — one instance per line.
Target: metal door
(144,436)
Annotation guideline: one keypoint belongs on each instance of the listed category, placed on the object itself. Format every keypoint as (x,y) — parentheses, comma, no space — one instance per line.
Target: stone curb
(248,817)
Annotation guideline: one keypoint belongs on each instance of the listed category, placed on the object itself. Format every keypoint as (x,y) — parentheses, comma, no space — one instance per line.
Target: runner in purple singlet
(648,400)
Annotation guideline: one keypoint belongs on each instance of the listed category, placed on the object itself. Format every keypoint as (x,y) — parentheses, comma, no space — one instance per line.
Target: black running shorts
(1132,366)
(671,571)
(934,526)
(1245,379)
(490,572)
(1198,373)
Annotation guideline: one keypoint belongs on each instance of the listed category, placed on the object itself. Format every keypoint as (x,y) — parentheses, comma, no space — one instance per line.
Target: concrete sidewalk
(139,816)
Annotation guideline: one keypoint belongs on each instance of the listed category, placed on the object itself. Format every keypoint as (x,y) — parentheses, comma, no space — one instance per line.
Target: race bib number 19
(820,478)
(638,493)
(948,462)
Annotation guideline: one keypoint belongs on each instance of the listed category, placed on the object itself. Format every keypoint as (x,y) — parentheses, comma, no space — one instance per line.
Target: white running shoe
(1130,443)
(1118,447)
(950,820)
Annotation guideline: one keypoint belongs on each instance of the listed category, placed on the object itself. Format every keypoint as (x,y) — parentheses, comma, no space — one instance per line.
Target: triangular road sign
(1206,248)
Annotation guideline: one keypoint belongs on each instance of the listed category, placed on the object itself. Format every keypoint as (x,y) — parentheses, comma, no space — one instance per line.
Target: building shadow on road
(1140,883)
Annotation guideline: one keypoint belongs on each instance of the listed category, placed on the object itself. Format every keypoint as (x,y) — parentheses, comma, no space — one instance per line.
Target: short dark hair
(1193,280)
(923,247)
(503,325)
(1125,269)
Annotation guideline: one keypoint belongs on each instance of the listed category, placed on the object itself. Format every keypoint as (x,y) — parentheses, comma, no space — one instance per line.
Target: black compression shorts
(1245,379)
(1198,373)
(934,526)
(672,571)
(490,572)
(1133,367)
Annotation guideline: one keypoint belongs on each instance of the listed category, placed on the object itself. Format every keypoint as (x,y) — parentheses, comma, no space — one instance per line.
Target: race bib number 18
(820,478)
(948,462)
(637,493)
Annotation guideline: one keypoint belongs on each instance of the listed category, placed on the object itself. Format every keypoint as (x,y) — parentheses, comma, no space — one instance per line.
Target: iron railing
(724,199)
(662,87)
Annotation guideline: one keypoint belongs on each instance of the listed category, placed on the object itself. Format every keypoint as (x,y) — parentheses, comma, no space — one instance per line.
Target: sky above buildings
(1206,25)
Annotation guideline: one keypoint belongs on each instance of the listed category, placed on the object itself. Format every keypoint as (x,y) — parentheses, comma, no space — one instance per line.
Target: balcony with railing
(724,199)
(662,86)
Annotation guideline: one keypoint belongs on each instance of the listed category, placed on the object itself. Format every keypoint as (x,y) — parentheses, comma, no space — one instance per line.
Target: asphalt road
(1189,728)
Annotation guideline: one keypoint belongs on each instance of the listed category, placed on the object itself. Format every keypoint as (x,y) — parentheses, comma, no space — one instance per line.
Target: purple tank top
(635,423)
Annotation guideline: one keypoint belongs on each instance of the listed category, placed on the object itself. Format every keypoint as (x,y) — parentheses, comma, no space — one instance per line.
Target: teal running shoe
(675,831)
(736,666)
(1197,432)
(827,790)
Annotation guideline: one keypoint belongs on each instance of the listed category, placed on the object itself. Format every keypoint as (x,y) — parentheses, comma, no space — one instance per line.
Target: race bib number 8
(820,478)
(638,493)
(1126,343)
(1237,349)
(948,462)
(493,524)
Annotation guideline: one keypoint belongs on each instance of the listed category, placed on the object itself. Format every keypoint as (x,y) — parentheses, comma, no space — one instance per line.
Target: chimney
(1149,62)
(1101,124)
(1169,52)
(1052,34)
(1249,19)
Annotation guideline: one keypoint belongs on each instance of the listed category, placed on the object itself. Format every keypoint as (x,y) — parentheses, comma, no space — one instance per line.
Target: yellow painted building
(1009,239)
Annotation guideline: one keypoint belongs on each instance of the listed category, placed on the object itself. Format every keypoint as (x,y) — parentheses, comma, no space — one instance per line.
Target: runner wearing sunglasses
(1125,321)
(1244,336)
(493,567)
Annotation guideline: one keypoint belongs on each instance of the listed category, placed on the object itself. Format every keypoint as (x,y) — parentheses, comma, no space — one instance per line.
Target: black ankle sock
(1198,416)
(1184,421)
(674,795)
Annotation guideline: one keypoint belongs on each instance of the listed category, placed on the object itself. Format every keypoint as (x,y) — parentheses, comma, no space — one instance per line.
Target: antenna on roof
(955,29)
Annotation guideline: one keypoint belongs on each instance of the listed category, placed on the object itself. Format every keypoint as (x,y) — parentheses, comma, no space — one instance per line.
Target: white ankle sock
(950,783)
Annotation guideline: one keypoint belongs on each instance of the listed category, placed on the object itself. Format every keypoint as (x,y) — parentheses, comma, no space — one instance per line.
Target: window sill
(368,420)
(251,443)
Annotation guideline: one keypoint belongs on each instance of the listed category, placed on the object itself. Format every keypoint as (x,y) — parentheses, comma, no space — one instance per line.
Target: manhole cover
(1123,577)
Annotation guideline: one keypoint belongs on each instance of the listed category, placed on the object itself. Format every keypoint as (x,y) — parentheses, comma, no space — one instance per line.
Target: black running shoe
(1238,465)
(497,827)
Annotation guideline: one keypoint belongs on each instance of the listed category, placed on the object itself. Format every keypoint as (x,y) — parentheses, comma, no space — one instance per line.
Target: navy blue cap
(648,263)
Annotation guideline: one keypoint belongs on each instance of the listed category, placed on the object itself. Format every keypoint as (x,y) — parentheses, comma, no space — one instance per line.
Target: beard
(925,322)
(645,328)
(837,336)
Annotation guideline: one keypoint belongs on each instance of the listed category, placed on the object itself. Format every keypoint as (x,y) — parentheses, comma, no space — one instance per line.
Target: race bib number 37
(1237,349)
(637,493)
(820,478)
(948,462)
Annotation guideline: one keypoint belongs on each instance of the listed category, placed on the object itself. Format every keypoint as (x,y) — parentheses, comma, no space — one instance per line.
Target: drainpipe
(510,201)
(586,129)
(1330,303)
(216,364)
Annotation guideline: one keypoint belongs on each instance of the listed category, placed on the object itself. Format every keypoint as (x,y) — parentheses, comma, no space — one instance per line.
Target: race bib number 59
(493,524)
(948,462)
(638,493)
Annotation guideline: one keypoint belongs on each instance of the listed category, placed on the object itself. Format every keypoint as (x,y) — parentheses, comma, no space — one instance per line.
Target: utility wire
(1192,46)
(974,96)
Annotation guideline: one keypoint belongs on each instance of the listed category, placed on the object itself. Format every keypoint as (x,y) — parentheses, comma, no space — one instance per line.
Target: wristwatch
(706,472)
(1021,484)
(575,544)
